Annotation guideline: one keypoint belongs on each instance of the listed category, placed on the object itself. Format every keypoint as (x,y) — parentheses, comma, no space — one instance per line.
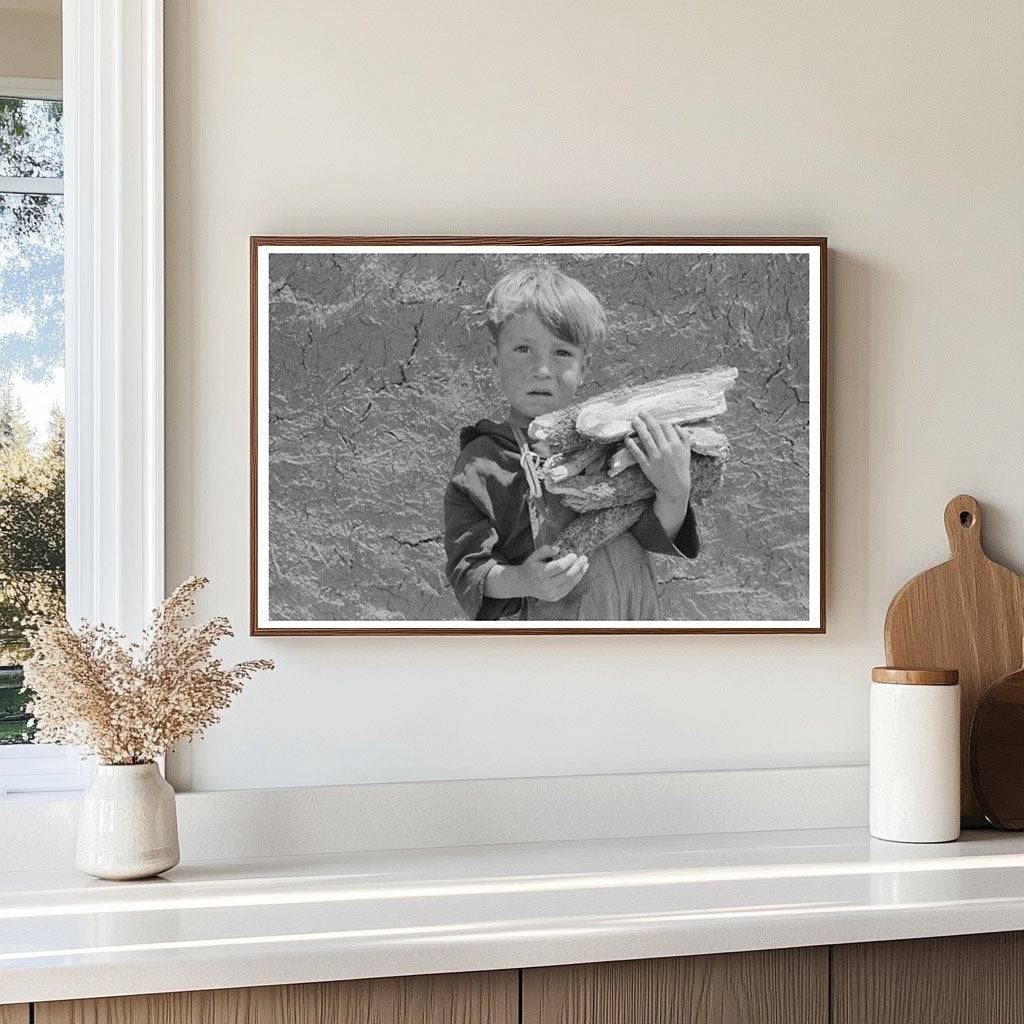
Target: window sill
(43,771)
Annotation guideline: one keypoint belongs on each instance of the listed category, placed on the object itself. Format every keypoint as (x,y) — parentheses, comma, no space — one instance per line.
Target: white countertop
(261,922)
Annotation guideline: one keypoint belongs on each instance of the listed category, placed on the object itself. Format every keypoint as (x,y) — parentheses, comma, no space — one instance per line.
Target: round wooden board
(997,752)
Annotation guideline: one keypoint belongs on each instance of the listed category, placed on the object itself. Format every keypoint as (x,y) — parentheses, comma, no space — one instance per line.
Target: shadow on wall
(377,361)
(855,287)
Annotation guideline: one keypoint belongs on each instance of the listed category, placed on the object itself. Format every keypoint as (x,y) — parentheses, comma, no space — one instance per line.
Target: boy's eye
(565,352)
(521,348)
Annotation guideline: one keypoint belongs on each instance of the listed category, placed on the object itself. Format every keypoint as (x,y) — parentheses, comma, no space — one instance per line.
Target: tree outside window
(31,387)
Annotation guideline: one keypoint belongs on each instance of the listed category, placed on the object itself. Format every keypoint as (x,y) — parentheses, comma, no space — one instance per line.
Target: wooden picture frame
(715,258)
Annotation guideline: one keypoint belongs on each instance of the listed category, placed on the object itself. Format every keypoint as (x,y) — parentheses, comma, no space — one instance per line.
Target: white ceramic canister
(915,755)
(127,825)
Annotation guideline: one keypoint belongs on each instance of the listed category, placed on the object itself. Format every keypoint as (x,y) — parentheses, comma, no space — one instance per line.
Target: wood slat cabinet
(773,986)
(481,998)
(960,979)
(967,979)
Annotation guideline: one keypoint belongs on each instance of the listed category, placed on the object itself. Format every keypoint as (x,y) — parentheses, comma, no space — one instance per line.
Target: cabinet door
(960,979)
(14,1013)
(482,998)
(776,986)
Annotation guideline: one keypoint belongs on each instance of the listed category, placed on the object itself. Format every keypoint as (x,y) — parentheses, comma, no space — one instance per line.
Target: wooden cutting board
(967,614)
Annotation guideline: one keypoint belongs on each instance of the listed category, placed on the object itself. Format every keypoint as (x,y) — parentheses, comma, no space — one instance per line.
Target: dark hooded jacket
(487,520)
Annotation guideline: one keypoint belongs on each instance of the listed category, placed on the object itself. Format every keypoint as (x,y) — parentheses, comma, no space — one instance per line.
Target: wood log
(569,464)
(579,444)
(688,398)
(703,440)
(588,493)
(586,533)
(601,492)
(556,432)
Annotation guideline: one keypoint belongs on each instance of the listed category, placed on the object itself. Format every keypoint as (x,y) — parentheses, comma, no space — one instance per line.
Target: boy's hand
(663,455)
(549,578)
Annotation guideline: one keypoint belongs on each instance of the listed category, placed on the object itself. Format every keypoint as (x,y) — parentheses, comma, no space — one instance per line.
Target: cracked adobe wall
(377,361)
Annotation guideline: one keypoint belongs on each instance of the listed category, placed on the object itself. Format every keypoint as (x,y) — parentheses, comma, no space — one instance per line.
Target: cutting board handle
(963,526)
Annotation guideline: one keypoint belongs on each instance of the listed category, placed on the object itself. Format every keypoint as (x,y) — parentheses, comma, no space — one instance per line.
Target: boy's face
(537,370)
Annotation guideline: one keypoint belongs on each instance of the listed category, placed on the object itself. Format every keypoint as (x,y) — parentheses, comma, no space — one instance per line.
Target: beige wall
(30,43)
(895,129)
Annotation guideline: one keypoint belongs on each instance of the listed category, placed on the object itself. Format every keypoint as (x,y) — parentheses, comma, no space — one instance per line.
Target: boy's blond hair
(565,306)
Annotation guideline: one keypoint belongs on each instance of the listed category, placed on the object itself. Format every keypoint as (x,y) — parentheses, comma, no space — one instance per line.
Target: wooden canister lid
(916,676)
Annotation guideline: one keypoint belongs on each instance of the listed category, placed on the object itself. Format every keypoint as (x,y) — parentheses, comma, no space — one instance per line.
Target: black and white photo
(571,435)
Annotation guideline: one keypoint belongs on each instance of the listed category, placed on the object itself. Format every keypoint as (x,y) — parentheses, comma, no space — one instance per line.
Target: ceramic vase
(127,825)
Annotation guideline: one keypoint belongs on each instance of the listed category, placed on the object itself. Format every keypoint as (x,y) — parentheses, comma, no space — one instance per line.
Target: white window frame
(114,327)
(32,88)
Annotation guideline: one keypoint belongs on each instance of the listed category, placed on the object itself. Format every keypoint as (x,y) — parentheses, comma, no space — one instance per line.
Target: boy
(544,326)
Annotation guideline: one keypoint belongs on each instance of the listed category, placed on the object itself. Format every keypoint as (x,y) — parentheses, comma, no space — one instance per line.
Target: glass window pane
(31,432)
(31,138)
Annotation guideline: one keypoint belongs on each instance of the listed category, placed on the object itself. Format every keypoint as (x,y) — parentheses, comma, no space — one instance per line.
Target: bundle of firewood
(593,472)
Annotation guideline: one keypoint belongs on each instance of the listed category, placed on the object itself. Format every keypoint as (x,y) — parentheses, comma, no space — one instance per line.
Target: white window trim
(31,88)
(43,769)
(32,186)
(114,325)
(113,170)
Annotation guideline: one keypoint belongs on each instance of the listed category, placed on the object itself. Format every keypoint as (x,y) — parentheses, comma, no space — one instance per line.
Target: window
(31,383)
(111,208)
(32,549)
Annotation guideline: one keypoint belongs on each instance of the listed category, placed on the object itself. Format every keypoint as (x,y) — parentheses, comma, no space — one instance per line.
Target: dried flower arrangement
(131,703)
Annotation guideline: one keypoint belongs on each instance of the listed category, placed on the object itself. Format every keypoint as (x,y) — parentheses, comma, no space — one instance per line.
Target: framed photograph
(537,435)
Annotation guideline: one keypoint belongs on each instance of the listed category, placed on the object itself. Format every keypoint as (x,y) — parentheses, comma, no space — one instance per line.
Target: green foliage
(32,552)
(30,147)
(30,137)
(14,726)
(31,500)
